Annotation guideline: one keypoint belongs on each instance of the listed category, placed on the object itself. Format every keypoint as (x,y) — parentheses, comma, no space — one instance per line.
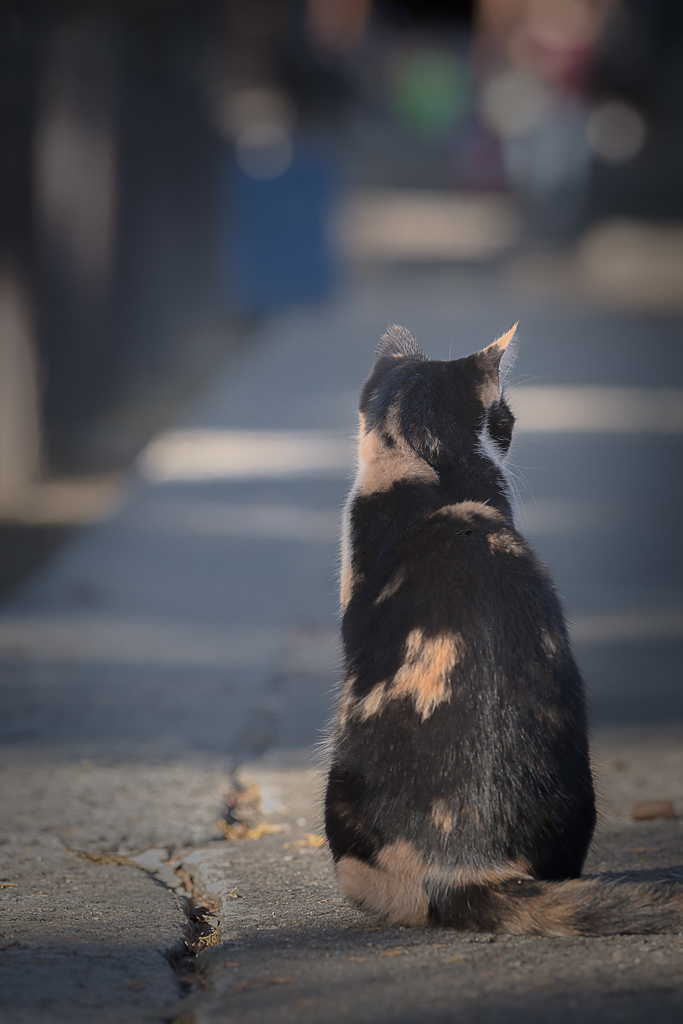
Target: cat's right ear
(398,343)
(498,358)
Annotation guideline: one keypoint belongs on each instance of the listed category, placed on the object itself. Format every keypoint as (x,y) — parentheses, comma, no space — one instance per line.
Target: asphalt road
(194,631)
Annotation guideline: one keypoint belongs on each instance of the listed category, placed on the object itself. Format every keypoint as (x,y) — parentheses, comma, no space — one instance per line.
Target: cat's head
(442,409)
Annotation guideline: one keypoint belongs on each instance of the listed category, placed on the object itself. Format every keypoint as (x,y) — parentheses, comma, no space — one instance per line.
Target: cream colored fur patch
(506,543)
(392,587)
(380,467)
(468,509)
(442,816)
(346,585)
(393,888)
(423,676)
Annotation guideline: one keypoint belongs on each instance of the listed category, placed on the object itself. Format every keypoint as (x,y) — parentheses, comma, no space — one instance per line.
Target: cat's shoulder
(467,518)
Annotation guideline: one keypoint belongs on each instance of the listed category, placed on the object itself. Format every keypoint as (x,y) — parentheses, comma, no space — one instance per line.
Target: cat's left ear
(398,343)
(497,359)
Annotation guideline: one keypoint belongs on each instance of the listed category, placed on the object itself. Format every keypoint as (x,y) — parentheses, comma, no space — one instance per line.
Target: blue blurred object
(276,236)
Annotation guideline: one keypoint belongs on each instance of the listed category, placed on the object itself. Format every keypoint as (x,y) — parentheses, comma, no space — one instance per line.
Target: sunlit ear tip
(506,338)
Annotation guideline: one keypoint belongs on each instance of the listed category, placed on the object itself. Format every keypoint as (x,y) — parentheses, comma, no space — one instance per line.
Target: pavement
(166,677)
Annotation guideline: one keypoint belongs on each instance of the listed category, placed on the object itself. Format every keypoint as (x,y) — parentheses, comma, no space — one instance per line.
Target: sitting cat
(460,789)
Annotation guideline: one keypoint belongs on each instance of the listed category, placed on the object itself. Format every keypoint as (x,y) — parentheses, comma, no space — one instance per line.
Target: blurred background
(209,212)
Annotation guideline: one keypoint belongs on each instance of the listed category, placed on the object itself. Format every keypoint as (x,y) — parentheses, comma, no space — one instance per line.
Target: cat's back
(456,615)
(465,559)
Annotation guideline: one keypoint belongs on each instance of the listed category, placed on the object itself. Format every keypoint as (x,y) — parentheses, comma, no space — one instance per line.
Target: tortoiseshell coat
(460,782)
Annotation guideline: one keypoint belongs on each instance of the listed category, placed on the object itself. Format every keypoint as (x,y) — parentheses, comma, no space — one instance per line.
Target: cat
(460,789)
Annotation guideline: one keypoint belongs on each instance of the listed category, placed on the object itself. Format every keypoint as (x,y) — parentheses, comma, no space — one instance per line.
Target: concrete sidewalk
(291,949)
(194,632)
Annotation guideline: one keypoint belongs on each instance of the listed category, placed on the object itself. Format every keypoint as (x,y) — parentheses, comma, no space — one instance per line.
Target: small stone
(650,809)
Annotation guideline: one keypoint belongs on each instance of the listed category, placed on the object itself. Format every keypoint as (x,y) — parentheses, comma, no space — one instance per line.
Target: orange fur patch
(423,676)
(392,587)
(374,702)
(506,543)
(494,874)
(346,585)
(381,467)
(496,348)
(393,888)
(489,392)
(467,510)
(506,338)
(442,816)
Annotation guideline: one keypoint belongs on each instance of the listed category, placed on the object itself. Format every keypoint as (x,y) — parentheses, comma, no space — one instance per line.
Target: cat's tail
(399,887)
(523,906)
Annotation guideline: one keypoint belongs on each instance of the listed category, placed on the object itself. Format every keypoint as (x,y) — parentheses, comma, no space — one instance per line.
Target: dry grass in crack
(311,841)
(242,805)
(213,939)
(107,858)
(242,830)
